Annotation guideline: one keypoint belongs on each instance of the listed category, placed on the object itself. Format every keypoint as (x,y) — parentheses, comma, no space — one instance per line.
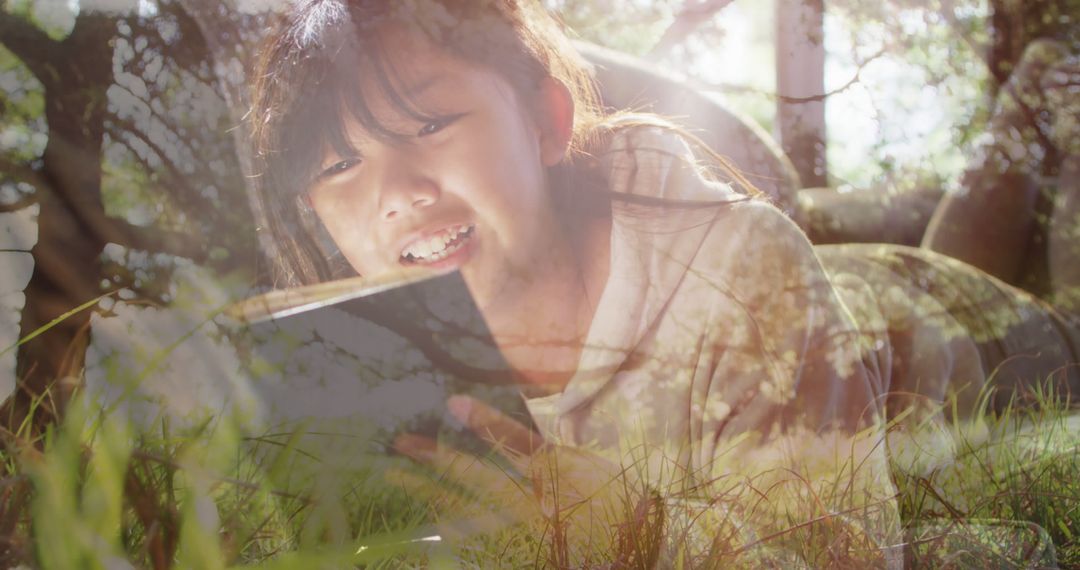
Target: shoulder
(755,254)
(650,158)
(757,232)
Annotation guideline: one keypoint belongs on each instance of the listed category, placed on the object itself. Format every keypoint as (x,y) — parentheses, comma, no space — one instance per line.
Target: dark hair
(310,71)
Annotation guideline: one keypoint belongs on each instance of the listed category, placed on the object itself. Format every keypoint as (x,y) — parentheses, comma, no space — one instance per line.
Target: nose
(405,189)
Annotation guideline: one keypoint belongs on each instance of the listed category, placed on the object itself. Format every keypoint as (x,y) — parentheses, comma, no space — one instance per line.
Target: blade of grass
(45,328)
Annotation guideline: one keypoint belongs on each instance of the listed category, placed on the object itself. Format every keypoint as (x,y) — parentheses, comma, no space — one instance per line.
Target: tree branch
(118,128)
(690,18)
(948,12)
(153,240)
(128,123)
(168,187)
(786,98)
(30,44)
(21,172)
(25,201)
(121,232)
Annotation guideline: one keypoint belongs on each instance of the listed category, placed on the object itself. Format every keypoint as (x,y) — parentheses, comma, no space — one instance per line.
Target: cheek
(351,232)
(509,177)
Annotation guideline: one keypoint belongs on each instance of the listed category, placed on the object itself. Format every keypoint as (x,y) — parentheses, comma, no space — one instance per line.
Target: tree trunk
(1016,23)
(800,85)
(230,39)
(67,267)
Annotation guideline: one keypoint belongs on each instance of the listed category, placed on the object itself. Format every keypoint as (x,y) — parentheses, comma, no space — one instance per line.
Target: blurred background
(122,191)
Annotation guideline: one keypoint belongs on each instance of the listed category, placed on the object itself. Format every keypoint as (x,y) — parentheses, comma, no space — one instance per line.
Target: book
(385,353)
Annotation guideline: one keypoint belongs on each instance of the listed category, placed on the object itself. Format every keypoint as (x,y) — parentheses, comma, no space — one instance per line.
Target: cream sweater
(714,321)
(725,344)
(721,358)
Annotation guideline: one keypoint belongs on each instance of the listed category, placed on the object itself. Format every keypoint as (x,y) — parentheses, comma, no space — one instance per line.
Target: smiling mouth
(438,247)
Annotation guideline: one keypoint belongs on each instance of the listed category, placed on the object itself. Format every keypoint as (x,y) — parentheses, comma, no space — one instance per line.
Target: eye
(437,125)
(337,168)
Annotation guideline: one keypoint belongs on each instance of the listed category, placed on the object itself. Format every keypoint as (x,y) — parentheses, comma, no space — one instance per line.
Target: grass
(95,491)
(1008,473)
(91,493)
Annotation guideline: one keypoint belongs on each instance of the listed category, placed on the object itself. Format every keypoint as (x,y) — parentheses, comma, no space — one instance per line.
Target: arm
(797,421)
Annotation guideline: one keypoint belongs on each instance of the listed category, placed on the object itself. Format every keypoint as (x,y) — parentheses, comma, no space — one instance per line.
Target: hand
(571,494)
(460,479)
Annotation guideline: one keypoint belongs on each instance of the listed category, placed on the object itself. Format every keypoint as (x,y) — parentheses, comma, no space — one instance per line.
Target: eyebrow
(409,93)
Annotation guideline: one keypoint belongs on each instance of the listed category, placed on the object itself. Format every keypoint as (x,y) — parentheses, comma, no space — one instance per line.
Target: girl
(655,310)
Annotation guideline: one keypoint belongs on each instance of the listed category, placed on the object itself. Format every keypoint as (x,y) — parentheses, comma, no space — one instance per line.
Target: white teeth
(437,247)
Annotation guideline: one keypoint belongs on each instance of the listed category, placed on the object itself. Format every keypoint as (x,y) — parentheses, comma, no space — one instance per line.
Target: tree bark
(800,74)
(67,254)
(1014,24)
(230,39)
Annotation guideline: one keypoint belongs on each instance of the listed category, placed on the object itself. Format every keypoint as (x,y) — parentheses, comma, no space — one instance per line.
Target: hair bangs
(387,77)
(330,66)
(350,80)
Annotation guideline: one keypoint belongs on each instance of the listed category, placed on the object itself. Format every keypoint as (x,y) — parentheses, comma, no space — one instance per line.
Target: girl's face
(467,189)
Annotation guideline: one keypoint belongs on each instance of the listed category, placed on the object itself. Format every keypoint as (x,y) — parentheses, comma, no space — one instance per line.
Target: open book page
(286,302)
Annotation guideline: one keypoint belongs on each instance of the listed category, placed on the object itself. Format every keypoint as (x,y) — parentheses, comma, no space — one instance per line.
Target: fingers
(416,447)
(457,469)
(494,426)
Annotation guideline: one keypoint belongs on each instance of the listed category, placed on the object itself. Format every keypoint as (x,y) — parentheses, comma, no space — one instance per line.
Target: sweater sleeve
(781,400)
(786,352)
(722,360)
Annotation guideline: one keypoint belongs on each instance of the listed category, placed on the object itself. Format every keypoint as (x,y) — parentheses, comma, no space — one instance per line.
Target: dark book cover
(385,353)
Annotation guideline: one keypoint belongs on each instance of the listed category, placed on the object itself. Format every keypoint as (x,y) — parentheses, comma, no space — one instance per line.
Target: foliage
(115,127)
(930,92)
(626,25)
(95,492)
(921,84)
